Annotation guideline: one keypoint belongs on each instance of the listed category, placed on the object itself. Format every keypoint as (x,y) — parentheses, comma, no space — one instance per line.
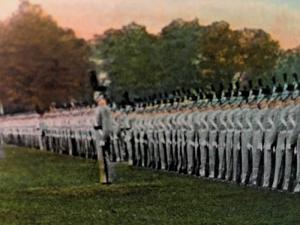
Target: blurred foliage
(176,49)
(129,58)
(289,63)
(184,55)
(40,62)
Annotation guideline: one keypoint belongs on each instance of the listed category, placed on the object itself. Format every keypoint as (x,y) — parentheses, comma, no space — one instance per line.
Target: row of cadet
(250,137)
(62,131)
(247,136)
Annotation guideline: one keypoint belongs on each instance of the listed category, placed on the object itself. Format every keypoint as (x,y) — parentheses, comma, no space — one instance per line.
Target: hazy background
(280,18)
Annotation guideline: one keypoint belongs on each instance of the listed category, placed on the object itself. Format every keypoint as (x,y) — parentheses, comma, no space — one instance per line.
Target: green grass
(43,188)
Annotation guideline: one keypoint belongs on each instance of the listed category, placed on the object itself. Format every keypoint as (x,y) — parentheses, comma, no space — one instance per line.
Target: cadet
(103,128)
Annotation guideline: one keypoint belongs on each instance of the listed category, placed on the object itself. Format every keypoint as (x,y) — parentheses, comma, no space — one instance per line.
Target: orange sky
(281,18)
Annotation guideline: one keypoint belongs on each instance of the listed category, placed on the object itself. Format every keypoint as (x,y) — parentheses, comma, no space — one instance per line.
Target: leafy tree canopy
(40,62)
(185,54)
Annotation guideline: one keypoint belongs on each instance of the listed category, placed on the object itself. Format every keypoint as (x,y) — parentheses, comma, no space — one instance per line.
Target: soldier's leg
(60,147)
(2,153)
(149,152)
(162,157)
(179,146)
(142,151)
(246,138)
(41,145)
(256,156)
(128,144)
(267,159)
(190,152)
(288,164)
(70,146)
(236,150)
(297,187)
(196,155)
(212,154)
(116,148)
(169,153)
(221,154)
(267,167)
(136,150)
(256,153)
(203,155)
(50,143)
(212,160)
(279,159)
(229,140)
(190,158)
(130,151)
(122,148)
(174,149)
(156,151)
(87,149)
(146,153)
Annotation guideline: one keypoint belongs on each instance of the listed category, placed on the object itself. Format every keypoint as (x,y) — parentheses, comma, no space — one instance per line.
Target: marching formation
(249,136)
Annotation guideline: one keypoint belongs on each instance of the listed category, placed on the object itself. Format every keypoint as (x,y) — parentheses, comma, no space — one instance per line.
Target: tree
(226,53)
(289,63)
(128,57)
(176,49)
(184,55)
(258,53)
(40,62)
(218,53)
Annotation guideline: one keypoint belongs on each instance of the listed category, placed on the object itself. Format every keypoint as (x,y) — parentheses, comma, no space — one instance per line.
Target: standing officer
(104,129)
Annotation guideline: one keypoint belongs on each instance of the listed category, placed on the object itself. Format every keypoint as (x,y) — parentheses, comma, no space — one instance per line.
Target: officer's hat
(98,95)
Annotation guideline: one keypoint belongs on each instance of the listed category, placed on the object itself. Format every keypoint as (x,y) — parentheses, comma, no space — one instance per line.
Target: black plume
(279,88)
(295,77)
(260,83)
(245,92)
(212,88)
(221,87)
(274,80)
(267,90)
(93,80)
(290,87)
(237,85)
(250,86)
(201,96)
(285,77)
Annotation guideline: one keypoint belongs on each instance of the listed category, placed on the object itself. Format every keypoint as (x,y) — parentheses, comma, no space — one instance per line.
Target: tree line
(41,62)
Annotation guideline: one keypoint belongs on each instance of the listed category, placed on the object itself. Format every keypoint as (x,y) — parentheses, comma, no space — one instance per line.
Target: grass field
(43,188)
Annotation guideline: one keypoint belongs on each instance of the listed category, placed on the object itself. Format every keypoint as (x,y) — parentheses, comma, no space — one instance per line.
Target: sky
(280,18)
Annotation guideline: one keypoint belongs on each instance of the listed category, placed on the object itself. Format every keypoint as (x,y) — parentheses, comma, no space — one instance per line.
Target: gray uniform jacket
(104,120)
